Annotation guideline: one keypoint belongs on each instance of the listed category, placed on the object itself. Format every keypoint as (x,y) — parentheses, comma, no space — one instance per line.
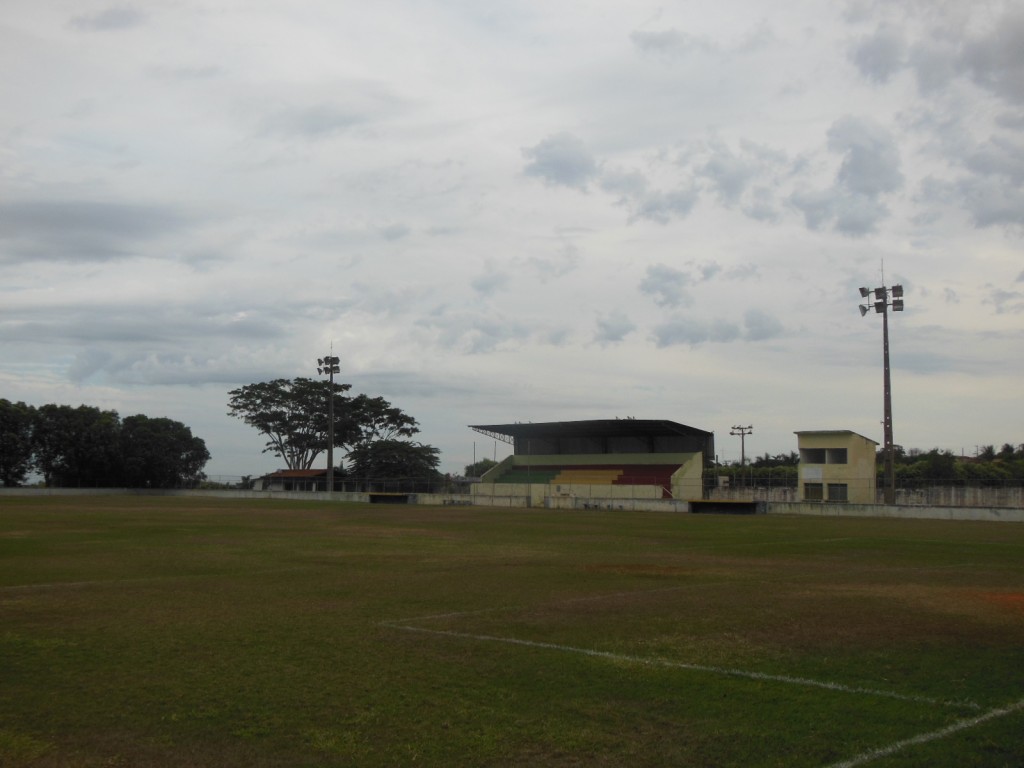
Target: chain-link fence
(951,492)
(737,485)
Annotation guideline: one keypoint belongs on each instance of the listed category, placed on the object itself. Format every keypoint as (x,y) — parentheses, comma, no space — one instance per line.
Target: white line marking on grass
(644,661)
(924,738)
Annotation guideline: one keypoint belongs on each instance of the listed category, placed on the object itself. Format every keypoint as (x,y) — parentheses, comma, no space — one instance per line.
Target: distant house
(836,466)
(293,480)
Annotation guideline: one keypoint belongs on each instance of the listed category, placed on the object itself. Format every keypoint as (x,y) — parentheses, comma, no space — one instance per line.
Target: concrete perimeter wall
(220,494)
(816,509)
(999,514)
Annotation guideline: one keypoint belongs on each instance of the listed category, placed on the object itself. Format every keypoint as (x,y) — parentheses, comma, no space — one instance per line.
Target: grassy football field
(153,631)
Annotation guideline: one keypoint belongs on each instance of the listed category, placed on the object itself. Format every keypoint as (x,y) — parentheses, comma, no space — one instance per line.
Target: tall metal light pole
(881,304)
(742,432)
(329,365)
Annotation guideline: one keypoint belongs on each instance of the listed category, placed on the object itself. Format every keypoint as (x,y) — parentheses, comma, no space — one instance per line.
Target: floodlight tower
(742,432)
(329,365)
(881,305)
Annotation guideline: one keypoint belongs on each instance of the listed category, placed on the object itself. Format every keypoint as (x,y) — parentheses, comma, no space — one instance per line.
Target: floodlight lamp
(319,361)
(897,305)
(881,293)
(864,292)
(879,307)
(863,310)
(897,291)
(319,370)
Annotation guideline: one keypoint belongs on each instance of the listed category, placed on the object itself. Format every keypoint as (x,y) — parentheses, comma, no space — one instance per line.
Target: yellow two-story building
(836,466)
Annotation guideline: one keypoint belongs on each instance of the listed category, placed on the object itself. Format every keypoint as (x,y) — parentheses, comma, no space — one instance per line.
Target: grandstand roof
(589,428)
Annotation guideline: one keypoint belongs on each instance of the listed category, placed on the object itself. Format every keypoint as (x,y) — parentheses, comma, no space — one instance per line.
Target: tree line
(988,466)
(86,447)
(912,467)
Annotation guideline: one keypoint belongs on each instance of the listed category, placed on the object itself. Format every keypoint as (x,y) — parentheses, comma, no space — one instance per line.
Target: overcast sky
(518,210)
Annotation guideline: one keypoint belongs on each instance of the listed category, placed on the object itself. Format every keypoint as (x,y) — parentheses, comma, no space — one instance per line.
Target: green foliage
(160,453)
(478,469)
(15,442)
(77,447)
(294,417)
(944,467)
(790,459)
(1008,452)
(778,471)
(778,476)
(87,447)
(374,418)
(394,459)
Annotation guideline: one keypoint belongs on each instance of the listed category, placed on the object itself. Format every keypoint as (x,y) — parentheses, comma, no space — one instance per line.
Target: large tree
(376,419)
(76,447)
(160,453)
(293,415)
(88,447)
(15,442)
(395,459)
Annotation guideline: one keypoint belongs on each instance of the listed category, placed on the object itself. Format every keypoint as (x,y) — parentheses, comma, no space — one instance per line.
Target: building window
(835,456)
(837,492)
(812,455)
(823,455)
(813,492)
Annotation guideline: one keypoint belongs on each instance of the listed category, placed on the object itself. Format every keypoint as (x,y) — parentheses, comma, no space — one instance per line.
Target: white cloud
(871,159)
(313,121)
(561,159)
(880,55)
(667,286)
(728,174)
(995,60)
(491,281)
(83,230)
(761,325)
(613,328)
(662,207)
(1004,301)
(113,18)
(670,41)
(395,231)
(695,331)
(870,169)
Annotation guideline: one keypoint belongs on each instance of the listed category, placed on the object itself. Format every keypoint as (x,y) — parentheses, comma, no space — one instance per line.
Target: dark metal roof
(590,428)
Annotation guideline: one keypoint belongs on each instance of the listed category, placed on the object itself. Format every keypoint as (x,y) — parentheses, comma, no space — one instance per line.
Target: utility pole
(329,365)
(742,432)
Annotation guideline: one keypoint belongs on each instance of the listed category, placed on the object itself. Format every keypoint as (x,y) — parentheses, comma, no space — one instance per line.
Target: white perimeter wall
(815,509)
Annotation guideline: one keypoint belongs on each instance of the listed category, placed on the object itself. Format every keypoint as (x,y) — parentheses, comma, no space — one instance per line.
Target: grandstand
(596,463)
